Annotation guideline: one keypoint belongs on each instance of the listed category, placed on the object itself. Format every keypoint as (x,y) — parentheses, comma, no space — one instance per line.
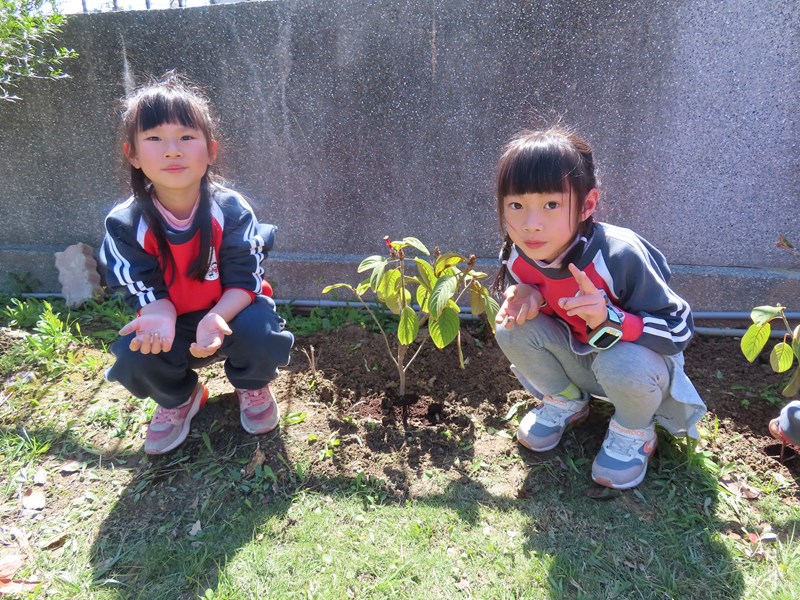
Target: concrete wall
(346,121)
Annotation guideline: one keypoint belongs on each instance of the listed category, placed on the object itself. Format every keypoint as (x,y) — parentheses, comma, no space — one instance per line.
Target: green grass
(118,524)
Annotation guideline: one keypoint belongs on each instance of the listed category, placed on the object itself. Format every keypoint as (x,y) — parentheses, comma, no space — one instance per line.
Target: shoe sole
(186,425)
(625,486)
(569,426)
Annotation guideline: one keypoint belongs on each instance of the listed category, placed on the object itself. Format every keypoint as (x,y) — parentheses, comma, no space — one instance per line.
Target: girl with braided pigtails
(587,310)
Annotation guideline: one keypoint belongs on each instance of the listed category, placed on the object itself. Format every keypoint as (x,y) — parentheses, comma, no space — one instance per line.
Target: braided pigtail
(499,283)
(202,262)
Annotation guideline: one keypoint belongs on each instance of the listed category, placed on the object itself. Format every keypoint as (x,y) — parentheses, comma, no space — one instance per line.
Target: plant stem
(786,323)
(401,370)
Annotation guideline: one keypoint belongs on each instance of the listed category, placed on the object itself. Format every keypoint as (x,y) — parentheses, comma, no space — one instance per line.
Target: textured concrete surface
(347,121)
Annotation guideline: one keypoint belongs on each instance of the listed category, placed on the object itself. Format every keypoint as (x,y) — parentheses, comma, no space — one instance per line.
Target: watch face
(606,337)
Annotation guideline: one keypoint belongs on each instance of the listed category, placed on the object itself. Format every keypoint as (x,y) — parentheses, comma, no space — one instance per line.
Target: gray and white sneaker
(541,429)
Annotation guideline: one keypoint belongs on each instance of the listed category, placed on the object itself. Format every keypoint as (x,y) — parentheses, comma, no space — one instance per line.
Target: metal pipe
(700,315)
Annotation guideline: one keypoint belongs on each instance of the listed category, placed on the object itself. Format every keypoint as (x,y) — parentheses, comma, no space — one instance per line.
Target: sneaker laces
(166,415)
(252,398)
(623,445)
(554,411)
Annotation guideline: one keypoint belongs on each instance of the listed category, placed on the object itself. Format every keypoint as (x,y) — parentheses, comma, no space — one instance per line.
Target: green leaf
(395,303)
(426,275)
(781,357)
(443,291)
(477,298)
(762,315)
(444,329)
(371,262)
(754,340)
(376,277)
(793,387)
(796,342)
(422,299)
(363,287)
(336,286)
(445,261)
(492,308)
(388,286)
(415,243)
(409,326)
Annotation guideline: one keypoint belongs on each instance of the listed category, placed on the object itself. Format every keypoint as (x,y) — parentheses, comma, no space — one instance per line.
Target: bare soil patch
(453,409)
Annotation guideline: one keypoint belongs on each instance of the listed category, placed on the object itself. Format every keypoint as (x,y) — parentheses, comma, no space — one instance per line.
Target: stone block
(77,274)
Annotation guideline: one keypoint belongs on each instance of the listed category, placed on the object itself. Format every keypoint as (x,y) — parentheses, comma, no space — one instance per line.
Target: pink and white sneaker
(170,426)
(258,410)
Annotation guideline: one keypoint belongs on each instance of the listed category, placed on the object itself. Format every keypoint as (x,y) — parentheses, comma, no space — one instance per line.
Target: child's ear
(126,149)
(212,152)
(590,203)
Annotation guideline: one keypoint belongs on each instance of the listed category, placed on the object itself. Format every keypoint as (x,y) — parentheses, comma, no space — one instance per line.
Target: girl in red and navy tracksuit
(587,310)
(186,253)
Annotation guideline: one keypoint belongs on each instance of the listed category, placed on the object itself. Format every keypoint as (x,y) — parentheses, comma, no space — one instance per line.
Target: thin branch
(383,333)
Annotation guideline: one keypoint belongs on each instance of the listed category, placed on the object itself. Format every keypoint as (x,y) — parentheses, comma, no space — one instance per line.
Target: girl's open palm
(521,303)
(211,330)
(154,333)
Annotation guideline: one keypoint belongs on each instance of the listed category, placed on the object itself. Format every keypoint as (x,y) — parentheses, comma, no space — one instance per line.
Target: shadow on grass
(185,515)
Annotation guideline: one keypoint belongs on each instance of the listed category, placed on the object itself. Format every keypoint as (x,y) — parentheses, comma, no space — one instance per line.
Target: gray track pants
(633,378)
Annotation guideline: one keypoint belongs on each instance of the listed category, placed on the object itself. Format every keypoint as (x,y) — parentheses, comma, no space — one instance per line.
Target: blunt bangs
(159,107)
(536,165)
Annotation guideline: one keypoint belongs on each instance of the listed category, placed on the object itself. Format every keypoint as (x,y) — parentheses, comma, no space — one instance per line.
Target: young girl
(186,253)
(588,310)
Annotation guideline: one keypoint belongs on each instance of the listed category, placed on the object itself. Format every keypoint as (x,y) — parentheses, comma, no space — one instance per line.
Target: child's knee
(259,336)
(634,370)
(531,334)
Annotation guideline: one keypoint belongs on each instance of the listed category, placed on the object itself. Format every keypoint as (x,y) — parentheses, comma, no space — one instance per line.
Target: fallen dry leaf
(33,499)
(737,486)
(196,528)
(71,466)
(40,477)
(54,541)
(8,566)
(258,459)
(20,537)
(463,583)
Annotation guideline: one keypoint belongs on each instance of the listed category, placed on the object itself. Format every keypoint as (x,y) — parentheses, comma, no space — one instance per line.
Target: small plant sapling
(783,355)
(786,351)
(436,285)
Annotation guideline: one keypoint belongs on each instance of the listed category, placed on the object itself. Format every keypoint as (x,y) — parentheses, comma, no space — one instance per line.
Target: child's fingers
(199,351)
(155,343)
(144,347)
(129,327)
(584,283)
(579,302)
(522,315)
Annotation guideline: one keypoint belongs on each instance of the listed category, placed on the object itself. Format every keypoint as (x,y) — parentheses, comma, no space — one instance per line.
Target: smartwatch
(609,332)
